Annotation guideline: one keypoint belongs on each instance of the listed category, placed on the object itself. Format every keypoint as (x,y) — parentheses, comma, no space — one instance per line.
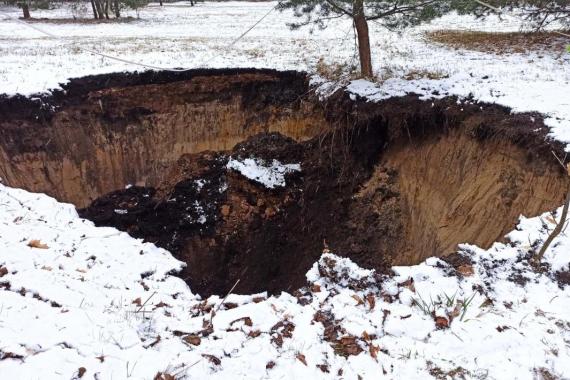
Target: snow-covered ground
(177,35)
(77,301)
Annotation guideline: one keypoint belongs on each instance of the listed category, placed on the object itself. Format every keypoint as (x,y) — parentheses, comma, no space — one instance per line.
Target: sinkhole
(384,183)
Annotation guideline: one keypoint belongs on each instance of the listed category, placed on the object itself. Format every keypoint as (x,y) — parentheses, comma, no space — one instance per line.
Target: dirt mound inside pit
(384,183)
(388,183)
(101,133)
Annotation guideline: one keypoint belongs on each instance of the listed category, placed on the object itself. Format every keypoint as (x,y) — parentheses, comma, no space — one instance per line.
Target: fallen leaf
(161,304)
(213,359)
(137,301)
(81,371)
(374,351)
(156,341)
(409,283)
(301,358)
(37,244)
(47,268)
(254,334)
(358,300)
(270,364)
(551,220)
(193,340)
(466,270)
(315,288)
(164,376)
(371,300)
(3,271)
(441,322)
(246,321)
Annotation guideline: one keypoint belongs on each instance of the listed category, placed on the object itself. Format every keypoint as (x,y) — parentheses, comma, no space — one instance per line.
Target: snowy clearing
(76,299)
(177,35)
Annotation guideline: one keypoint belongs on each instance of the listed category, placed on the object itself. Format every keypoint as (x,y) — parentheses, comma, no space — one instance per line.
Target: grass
(459,306)
(500,43)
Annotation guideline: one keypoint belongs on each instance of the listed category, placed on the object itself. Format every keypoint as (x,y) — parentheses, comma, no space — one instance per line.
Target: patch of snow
(200,184)
(96,299)
(270,175)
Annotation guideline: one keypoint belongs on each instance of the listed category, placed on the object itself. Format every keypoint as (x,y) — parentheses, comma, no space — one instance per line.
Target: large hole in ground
(384,183)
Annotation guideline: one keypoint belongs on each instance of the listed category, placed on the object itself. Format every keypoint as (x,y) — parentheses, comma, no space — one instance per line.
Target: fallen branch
(560,225)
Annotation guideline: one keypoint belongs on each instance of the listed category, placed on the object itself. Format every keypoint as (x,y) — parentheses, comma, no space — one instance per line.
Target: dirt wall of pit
(386,183)
(104,132)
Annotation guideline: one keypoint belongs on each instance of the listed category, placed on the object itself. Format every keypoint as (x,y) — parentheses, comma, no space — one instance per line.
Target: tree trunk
(117,9)
(161,3)
(106,9)
(99,7)
(361,26)
(95,15)
(26,10)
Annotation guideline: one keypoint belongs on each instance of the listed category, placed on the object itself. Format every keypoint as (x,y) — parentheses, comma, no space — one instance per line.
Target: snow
(177,35)
(99,300)
(270,175)
(90,298)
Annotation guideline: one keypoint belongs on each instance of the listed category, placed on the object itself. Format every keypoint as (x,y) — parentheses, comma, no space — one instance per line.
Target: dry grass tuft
(500,43)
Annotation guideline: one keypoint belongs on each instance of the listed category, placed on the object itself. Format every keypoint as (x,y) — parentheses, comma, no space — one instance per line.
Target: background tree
(28,5)
(102,8)
(389,13)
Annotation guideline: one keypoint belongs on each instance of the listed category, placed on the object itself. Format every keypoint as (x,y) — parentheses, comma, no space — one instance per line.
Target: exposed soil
(106,131)
(382,183)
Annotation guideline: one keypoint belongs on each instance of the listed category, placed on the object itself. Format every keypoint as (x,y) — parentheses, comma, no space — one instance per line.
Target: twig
(223,300)
(140,308)
(560,226)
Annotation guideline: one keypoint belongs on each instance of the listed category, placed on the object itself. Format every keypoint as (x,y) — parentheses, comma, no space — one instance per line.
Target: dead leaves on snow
(282,329)
(35,243)
(194,340)
(300,357)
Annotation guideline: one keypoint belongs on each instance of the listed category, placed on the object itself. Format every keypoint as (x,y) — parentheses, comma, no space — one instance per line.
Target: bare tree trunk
(363,38)
(106,9)
(117,9)
(99,7)
(161,3)
(26,10)
(95,15)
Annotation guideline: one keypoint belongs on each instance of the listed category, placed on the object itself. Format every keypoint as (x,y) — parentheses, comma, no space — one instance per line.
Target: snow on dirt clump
(270,175)
(77,301)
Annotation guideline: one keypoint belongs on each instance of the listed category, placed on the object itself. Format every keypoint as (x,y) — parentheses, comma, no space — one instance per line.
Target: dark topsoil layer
(269,238)
(41,107)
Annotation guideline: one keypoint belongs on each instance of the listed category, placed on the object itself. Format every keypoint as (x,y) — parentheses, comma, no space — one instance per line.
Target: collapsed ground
(385,183)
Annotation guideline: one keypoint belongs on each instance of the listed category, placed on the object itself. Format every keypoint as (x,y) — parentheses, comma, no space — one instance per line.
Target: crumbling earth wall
(386,183)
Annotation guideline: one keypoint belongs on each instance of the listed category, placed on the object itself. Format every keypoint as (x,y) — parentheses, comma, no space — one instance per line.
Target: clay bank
(158,155)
